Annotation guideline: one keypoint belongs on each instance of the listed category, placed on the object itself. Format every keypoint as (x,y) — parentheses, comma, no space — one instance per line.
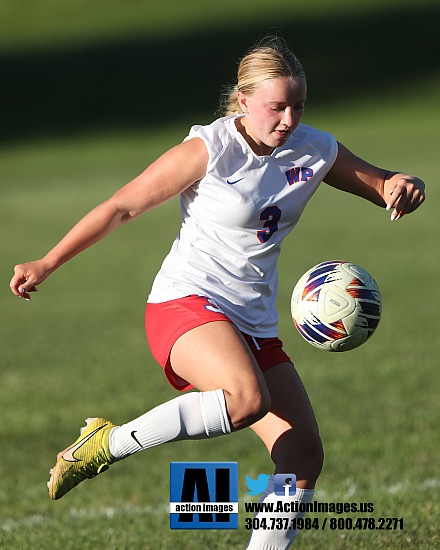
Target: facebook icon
(284,485)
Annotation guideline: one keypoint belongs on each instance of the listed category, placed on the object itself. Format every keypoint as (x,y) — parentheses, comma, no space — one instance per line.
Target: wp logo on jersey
(299,173)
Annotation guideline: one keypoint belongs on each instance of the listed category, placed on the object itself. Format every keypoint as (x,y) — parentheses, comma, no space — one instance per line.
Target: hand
(27,276)
(406,193)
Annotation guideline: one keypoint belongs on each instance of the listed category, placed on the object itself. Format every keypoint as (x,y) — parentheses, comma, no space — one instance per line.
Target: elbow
(120,213)
(125,217)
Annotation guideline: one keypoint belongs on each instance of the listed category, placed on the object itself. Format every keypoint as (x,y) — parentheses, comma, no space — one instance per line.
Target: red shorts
(167,321)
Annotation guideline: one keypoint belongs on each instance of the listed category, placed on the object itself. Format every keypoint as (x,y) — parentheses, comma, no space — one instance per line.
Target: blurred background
(76,66)
(90,94)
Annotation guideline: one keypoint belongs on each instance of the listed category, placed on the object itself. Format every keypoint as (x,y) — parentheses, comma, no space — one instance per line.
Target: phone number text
(335,524)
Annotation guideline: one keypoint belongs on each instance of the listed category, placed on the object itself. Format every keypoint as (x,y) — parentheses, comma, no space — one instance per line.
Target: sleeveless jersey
(235,219)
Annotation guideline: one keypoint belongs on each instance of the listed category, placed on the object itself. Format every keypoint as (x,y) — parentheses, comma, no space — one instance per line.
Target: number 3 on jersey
(272,215)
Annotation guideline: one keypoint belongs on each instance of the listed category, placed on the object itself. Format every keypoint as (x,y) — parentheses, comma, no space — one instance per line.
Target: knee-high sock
(195,415)
(277,539)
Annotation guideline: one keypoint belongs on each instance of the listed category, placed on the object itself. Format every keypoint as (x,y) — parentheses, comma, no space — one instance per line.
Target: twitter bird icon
(257,486)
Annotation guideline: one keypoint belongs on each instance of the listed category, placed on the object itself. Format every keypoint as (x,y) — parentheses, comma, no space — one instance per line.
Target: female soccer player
(211,320)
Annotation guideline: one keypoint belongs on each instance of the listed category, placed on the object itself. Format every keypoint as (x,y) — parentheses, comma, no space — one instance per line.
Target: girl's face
(272,112)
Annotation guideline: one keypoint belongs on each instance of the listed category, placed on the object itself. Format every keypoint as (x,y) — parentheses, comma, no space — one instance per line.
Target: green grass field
(78,349)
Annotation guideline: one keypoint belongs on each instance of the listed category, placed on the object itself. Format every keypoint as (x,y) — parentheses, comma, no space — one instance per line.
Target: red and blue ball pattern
(350,279)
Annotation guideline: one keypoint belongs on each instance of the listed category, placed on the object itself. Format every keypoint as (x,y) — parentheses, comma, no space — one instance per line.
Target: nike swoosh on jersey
(234,182)
(69,455)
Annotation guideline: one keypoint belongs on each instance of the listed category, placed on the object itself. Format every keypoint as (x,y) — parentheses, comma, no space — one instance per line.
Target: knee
(248,406)
(303,455)
(257,405)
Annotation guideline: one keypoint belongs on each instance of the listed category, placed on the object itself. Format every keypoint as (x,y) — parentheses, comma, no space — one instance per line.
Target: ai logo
(204,495)
(284,485)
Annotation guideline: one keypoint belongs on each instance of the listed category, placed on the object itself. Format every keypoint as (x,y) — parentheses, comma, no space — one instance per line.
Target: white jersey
(235,219)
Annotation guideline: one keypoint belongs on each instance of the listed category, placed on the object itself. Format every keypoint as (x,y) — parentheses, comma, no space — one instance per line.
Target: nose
(287,117)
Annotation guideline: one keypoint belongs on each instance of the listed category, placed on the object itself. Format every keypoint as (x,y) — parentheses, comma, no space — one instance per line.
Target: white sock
(273,539)
(195,415)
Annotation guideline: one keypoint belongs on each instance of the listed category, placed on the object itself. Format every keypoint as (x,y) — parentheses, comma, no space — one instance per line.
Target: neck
(259,148)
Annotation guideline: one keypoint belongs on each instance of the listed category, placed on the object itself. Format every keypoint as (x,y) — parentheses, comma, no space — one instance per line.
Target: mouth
(282,134)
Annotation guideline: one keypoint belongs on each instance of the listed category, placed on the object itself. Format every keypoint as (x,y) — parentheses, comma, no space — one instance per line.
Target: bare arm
(164,179)
(392,190)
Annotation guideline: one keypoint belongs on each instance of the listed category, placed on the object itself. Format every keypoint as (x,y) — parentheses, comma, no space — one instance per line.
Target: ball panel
(350,342)
(316,276)
(334,303)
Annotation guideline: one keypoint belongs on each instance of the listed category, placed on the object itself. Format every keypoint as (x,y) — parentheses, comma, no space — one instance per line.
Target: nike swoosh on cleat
(234,182)
(69,456)
(136,439)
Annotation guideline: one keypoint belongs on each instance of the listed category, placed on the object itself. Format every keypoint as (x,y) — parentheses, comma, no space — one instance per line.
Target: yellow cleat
(86,458)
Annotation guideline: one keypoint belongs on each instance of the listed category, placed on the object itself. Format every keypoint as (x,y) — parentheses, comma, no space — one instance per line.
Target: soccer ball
(336,306)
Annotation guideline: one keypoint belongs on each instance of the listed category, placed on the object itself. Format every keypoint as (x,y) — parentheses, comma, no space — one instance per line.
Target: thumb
(24,288)
(22,282)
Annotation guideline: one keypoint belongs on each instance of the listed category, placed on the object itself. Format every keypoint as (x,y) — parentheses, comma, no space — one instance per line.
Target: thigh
(166,322)
(216,355)
(199,347)
(290,431)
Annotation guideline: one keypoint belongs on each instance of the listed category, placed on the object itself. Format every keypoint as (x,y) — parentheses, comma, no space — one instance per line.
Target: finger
(397,201)
(22,290)
(23,294)
(21,285)
(16,283)
(410,199)
(416,200)
(405,199)
(406,196)
(22,279)
(392,198)
(401,205)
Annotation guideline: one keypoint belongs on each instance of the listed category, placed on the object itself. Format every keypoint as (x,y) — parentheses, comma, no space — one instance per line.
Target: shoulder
(310,139)
(217,136)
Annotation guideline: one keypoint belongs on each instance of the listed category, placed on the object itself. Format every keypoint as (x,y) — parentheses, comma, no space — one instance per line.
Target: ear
(243,102)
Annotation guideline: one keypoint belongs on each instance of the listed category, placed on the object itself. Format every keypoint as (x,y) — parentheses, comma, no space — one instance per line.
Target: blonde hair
(271,58)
